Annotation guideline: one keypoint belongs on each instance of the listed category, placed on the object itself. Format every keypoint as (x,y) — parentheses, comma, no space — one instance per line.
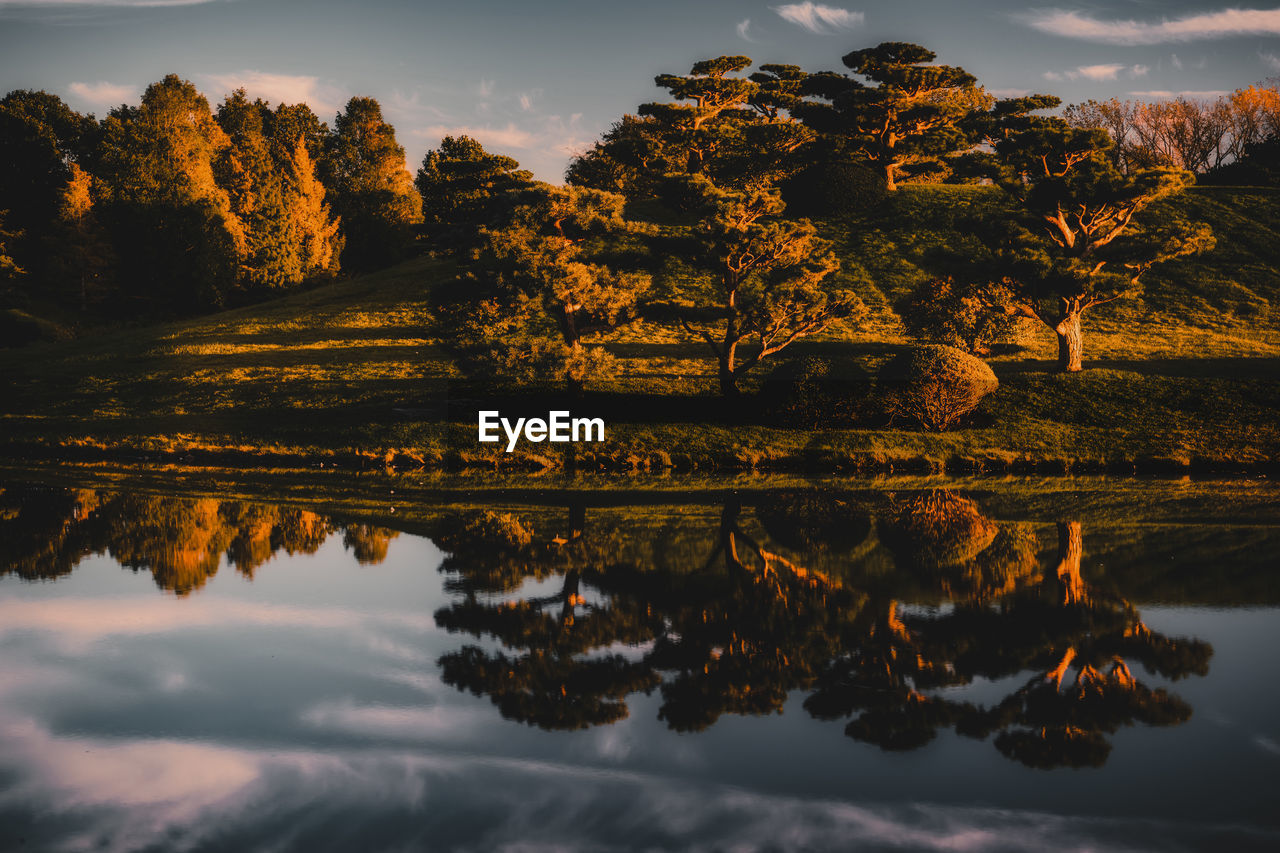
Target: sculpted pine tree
(464,187)
(1074,242)
(542,286)
(911,116)
(369,186)
(772,280)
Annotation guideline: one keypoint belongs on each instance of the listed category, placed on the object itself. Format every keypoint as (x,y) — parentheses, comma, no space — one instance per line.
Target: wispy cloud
(1175,61)
(493,138)
(1270,59)
(485,89)
(1103,71)
(816,18)
(1206,25)
(325,99)
(744,30)
(103,94)
(1166,94)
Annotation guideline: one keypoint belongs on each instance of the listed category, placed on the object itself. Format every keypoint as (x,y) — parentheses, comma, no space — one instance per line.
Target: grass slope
(1187,376)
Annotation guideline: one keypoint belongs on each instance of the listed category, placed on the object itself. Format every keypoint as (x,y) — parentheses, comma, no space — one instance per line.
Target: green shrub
(934,385)
(815,391)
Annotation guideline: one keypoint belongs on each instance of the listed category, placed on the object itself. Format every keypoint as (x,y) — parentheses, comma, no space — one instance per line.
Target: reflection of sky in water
(304,709)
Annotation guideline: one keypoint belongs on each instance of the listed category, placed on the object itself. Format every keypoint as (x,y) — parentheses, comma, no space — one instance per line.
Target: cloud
(1175,61)
(526,101)
(824,20)
(1207,25)
(744,28)
(1103,71)
(494,138)
(103,94)
(1164,94)
(1008,93)
(485,89)
(1272,61)
(323,98)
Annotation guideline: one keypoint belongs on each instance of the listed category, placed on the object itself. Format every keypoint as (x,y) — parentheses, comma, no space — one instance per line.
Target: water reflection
(878,610)
(931,656)
(45,532)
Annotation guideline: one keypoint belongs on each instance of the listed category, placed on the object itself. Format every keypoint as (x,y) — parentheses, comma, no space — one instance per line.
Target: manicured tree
(179,241)
(369,186)
(1072,242)
(911,116)
(542,285)
(464,187)
(630,158)
(771,280)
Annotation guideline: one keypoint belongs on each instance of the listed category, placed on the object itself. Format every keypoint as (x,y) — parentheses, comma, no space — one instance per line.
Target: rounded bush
(816,391)
(934,385)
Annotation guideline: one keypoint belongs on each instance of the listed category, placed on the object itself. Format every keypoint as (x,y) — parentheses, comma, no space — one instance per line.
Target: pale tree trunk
(729,351)
(1070,344)
(889,182)
(1070,550)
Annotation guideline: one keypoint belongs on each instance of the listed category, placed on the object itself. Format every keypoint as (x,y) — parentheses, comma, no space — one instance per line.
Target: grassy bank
(1185,379)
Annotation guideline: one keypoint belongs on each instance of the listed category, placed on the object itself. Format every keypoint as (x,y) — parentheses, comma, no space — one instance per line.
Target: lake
(378,664)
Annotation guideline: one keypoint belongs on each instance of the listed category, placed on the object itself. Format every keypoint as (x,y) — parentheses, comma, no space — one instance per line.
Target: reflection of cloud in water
(78,623)
(132,794)
(392,721)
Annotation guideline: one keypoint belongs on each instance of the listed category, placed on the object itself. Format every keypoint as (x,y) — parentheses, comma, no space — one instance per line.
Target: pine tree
(464,187)
(180,243)
(364,172)
(313,230)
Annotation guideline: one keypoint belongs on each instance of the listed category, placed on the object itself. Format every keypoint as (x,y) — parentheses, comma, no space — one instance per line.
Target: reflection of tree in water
(737,631)
(553,682)
(181,541)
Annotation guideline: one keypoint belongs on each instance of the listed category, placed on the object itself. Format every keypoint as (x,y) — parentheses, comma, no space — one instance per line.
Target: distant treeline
(172,207)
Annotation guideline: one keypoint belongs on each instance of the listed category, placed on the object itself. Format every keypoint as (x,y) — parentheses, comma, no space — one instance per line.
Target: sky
(540,81)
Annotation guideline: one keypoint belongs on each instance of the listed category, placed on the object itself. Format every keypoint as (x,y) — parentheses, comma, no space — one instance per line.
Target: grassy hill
(1187,376)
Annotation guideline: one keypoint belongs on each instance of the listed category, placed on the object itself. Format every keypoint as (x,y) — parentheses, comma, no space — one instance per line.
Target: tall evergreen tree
(364,171)
(80,251)
(40,138)
(254,185)
(180,243)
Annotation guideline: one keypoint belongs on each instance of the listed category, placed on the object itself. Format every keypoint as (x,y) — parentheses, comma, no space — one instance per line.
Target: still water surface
(775,670)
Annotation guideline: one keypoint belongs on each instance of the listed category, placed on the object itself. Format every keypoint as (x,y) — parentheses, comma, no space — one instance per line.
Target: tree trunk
(1070,344)
(729,351)
(1070,550)
(889,183)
